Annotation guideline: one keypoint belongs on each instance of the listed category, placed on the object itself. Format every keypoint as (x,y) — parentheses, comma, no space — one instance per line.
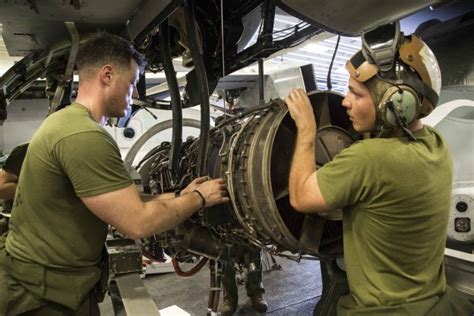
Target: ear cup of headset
(405,102)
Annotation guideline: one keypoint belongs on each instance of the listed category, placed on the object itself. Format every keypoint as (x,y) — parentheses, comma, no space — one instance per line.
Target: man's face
(123,89)
(360,107)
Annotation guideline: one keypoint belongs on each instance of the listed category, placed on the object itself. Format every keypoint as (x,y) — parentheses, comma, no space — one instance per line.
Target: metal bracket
(58,95)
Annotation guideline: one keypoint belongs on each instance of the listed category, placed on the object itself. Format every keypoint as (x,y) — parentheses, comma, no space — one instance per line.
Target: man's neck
(92,101)
(415,125)
(397,131)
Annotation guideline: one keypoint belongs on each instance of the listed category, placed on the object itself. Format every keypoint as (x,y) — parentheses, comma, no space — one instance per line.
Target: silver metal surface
(460,271)
(135,297)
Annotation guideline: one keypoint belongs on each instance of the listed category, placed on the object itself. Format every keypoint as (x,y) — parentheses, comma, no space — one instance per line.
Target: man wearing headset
(394,188)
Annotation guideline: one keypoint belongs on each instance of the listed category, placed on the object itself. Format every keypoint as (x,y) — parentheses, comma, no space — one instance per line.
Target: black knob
(129,132)
(461,206)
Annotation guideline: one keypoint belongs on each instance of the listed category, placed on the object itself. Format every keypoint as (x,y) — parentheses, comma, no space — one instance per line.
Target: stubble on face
(124,85)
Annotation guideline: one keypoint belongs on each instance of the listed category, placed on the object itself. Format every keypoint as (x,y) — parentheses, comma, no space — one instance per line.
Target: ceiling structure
(317,51)
(5,60)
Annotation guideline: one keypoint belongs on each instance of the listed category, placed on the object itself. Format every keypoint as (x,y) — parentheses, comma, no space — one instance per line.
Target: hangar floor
(293,290)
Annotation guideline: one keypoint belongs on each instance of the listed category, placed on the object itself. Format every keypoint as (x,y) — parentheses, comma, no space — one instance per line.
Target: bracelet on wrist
(203,200)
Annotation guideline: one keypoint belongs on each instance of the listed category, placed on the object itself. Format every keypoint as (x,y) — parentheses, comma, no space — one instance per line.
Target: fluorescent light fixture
(285,79)
(316,48)
(341,70)
(161,75)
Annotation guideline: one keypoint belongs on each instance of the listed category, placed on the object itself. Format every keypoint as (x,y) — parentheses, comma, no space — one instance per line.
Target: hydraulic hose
(201,76)
(191,272)
(176,109)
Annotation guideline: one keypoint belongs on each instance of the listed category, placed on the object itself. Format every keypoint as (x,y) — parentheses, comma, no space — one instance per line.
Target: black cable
(401,121)
(177,114)
(203,86)
(329,84)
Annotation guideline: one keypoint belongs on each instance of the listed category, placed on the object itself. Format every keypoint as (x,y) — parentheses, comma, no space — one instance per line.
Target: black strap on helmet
(421,87)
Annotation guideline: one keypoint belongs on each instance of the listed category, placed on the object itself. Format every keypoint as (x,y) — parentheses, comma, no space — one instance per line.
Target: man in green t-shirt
(394,188)
(73,184)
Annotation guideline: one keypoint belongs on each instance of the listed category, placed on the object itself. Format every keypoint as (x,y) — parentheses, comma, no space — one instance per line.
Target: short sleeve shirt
(69,157)
(396,198)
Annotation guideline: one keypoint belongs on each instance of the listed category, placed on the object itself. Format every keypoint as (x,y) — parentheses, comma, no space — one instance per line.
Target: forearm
(303,164)
(8,182)
(7,191)
(161,214)
(165,196)
(138,217)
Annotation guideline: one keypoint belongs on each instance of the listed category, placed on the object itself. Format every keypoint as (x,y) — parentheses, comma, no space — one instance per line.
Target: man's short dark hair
(104,48)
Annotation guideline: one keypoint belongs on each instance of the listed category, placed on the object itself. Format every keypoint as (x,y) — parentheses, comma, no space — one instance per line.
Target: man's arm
(194,185)
(8,182)
(305,195)
(126,211)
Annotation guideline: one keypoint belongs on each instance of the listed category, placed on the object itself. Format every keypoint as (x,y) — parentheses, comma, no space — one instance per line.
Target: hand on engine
(194,184)
(213,191)
(301,110)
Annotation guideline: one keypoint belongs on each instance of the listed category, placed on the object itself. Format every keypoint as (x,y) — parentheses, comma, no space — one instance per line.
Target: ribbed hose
(177,134)
(191,272)
(201,76)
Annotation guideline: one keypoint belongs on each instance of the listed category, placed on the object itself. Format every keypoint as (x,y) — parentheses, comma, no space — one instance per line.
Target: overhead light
(317,48)
(285,79)
(162,75)
(341,70)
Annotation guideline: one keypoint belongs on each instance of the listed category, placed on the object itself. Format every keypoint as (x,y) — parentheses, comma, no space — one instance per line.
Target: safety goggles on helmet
(380,46)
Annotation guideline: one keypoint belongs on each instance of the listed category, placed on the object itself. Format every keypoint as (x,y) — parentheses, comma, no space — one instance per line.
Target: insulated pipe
(177,135)
(268,16)
(261,81)
(202,83)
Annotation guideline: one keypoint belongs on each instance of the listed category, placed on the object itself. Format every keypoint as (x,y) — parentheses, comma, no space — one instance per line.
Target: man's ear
(106,74)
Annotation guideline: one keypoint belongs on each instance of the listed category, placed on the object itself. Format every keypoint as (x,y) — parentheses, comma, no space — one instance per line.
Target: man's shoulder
(378,146)
(359,148)
(70,122)
(72,118)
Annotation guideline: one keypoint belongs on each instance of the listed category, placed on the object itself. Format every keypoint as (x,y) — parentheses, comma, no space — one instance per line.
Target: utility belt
(68,287)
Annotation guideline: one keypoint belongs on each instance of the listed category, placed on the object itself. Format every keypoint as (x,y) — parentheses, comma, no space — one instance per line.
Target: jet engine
(252,153)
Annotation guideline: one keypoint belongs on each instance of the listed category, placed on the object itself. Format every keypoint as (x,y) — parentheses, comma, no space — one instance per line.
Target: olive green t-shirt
(396,197)
(69,157)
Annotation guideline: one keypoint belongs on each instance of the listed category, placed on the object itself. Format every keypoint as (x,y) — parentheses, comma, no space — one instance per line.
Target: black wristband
(177,193)
(203,200)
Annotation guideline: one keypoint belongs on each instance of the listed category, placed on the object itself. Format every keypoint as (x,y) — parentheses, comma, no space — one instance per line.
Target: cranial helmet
(409,67)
